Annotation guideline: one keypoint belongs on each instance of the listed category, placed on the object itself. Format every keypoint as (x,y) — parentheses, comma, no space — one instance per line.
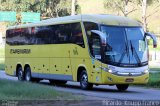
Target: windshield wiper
(126,51)
(135,53)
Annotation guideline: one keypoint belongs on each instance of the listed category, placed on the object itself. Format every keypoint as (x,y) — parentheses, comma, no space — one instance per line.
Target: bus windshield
(125,46)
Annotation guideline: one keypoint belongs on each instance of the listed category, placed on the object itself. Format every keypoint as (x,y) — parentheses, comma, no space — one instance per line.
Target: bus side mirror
(102,36)
(153,37)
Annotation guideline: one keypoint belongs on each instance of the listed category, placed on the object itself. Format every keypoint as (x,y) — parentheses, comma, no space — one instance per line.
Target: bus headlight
(146,71)
(109,70)
(112,71)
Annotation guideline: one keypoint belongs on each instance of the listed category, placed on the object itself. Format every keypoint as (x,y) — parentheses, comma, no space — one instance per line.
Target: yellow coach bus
(90,49)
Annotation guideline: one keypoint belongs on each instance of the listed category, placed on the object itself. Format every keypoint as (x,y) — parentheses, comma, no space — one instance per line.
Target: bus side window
(64,33)
(9,35)
(42,35)
(77,36)
(16,37)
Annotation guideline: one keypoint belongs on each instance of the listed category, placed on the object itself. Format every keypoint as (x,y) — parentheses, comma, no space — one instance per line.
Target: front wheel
(122,87)
(84,81)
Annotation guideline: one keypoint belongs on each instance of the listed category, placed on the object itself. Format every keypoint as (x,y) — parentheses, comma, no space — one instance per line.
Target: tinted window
(42,35)
(14,36)
(27,33)
(63,33)
(90,26)
(53,34)
(77,36)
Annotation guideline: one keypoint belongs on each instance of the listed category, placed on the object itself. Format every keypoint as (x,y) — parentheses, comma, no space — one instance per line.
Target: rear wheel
(20,74)
(84,81)
(28,74)
(122,87)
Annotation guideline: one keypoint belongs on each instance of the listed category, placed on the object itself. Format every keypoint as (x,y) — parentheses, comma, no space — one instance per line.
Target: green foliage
(119,6)
(52,8)
(78,8)
(125,7)
(110,4)
(154,80)
(149,2)
(2,66)
(47,8)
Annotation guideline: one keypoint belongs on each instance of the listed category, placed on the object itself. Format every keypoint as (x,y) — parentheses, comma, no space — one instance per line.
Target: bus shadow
(96,89)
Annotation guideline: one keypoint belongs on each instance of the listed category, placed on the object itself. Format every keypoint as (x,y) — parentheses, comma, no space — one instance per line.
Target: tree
(56,8)
(73,7)
(76,9)
(143,4)
(119,5)
(47,8)
(144,8)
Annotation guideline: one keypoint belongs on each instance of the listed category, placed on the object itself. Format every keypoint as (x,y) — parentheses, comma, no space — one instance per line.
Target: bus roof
(97,18)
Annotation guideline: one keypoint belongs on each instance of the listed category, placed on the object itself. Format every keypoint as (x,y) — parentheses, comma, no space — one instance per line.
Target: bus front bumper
(109,78)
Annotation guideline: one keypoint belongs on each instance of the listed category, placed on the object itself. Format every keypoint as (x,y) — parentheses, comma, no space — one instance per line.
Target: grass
(154,80)
(2,66)
(13,90)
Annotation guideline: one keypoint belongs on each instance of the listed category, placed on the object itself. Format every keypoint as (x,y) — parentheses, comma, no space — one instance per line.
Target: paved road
(103,91)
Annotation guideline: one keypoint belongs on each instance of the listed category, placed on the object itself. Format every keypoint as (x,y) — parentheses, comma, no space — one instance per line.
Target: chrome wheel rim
(20,75)
(84,80)
(28,76)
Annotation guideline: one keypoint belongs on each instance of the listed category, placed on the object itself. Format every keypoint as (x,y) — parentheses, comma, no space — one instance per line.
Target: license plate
(129,79)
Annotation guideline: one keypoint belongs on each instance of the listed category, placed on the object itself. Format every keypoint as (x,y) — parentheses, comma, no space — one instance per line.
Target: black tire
(84,81)
(122,87)
(27,75)
(57,82)
(20,74)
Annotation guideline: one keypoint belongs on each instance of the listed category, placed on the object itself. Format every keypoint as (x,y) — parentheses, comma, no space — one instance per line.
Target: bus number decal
(75,51)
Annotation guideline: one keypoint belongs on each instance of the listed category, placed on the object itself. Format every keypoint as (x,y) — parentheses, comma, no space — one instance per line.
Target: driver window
(96,46)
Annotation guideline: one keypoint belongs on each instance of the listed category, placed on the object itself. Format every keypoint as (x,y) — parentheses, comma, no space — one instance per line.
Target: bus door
(95,49)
